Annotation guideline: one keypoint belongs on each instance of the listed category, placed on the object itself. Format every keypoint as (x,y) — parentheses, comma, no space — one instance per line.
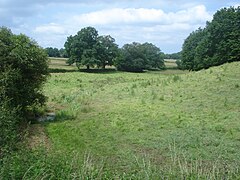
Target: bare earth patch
(37,137)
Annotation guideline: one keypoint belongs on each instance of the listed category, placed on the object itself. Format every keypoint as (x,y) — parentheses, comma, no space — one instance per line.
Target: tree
(80,48)
(176,56)
(189,49)
(137,57)
(90,50)
(69,48)
(63,53)
(153,55)
(216,44)
(131,58)
(106,50)
(52,52)
(224,36)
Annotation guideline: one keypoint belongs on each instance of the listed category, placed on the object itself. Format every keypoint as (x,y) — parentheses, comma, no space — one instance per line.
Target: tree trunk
(88,67)
(103,67)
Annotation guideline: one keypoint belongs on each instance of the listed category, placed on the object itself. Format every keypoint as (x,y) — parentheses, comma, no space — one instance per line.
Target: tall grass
(41,165)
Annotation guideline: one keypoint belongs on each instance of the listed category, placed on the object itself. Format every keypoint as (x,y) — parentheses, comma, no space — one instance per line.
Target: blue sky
(165,23)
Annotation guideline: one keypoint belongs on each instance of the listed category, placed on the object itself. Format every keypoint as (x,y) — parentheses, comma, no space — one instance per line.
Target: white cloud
(165,29)
(164,23)
(142,15)
(51,28)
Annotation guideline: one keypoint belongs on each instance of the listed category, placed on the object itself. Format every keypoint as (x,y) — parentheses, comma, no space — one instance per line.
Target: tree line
(55,52)
(175,56)
(88,49)
(215,44)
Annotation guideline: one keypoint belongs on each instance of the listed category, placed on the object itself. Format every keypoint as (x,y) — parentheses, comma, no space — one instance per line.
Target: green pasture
(154,124)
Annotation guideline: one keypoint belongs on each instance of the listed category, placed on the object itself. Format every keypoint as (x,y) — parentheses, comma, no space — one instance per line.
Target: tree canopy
(216,44)
(55,52)
(89,49)
(137,57)
(173,56)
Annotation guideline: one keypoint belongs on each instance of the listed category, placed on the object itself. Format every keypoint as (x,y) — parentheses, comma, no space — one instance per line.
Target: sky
(165,23)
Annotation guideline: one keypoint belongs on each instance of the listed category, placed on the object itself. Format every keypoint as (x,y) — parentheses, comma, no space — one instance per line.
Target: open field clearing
(170,63)
(58,64)
(149,124)
(120,111)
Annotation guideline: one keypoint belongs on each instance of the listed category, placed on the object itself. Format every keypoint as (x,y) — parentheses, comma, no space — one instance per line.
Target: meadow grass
(151,125)
(122,115)
(59,65)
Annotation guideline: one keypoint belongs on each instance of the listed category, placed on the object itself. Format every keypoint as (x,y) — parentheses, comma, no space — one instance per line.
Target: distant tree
(131,58)
(80,48)
(153,55)
(88,49)
(137,57)
(70,50)
(173,56)
(216,44)
(63,53)
(52,52)
(106,50)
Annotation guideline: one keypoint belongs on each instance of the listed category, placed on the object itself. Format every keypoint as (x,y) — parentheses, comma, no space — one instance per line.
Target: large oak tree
(88,49)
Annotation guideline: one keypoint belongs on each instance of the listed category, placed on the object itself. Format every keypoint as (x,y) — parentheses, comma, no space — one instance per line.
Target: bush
(23,70)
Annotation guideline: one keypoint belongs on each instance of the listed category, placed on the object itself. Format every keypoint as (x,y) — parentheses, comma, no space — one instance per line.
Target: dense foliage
(137,57)
(216,44)
(23,70)
(55,52)
(89,49)
(173,56)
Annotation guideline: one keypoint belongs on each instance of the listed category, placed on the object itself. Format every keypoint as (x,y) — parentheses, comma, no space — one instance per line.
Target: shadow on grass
(97,71)
(55,70)
(108,71)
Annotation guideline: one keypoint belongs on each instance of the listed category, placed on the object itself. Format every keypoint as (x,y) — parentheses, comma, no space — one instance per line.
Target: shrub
(23,70)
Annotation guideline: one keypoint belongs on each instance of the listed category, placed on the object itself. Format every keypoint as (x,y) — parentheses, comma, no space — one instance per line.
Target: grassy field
(170,63)
(59,65)
(152,125)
